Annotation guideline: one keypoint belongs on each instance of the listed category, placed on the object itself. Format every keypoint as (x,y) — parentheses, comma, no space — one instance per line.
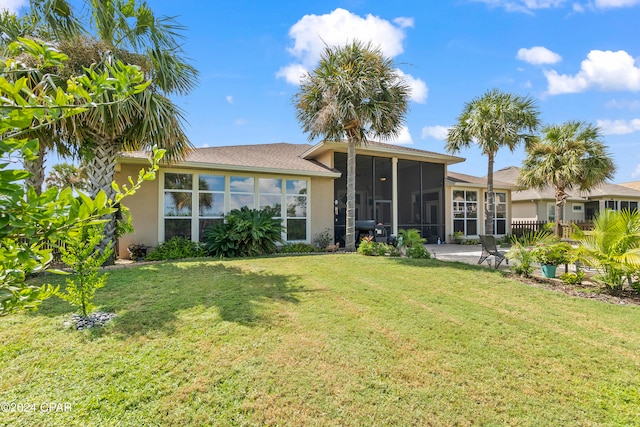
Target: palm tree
(65,175)
(493,120)
(131,32)
(568,156)
(354,93)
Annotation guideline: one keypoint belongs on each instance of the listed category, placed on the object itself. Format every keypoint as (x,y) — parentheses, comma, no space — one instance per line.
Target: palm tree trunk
(490,211)
(36,168)
(101,169)
(350,237)
(561,196)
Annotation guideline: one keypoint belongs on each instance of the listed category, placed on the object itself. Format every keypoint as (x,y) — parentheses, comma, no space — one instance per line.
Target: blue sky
(579,59)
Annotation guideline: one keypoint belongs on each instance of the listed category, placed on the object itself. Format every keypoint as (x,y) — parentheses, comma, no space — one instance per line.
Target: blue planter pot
(548,271)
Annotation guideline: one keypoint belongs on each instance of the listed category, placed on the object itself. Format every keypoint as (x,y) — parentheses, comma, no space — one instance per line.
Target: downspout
(394,196)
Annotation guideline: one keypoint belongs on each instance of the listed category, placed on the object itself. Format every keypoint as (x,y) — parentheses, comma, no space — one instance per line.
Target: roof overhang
(384,150)
(230,168)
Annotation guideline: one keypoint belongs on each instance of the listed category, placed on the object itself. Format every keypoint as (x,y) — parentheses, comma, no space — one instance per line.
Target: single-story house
(305,185)
(539,205)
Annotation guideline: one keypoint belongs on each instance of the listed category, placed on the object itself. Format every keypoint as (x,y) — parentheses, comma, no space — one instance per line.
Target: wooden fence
(519,228)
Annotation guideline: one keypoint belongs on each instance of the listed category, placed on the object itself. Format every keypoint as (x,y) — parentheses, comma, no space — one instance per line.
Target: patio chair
(489,248)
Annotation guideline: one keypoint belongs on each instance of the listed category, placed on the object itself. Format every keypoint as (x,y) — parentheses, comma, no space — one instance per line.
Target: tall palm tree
(494,120)
(569,156)
(354,93)
(65,175)
(127,30)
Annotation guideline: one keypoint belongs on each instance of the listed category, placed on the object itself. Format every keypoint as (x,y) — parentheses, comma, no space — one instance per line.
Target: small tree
(354,93)
(568,156)
(30,221)
(494,120)
(82,254)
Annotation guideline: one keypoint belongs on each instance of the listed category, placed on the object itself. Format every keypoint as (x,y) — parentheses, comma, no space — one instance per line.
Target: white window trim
(227,193)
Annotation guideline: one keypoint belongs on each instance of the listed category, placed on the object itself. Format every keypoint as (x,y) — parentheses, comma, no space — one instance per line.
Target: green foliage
(367,247)
(414,244)
(571,278)
(298,248)
(246,232)
(567,156)
(520,251)
(82,254)
(30,221)
(457,237)
(552,254)
(612,247)
(176,248)
(323,239)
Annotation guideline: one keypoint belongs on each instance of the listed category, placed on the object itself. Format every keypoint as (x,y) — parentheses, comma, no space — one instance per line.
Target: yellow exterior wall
(144,210)
(322,215)
(145,205)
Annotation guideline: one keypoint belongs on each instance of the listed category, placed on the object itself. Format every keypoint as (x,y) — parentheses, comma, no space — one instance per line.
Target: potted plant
(549,256)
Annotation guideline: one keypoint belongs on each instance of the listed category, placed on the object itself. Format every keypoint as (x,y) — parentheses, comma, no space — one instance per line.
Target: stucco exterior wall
(144,210)
(322,203)
(524,211)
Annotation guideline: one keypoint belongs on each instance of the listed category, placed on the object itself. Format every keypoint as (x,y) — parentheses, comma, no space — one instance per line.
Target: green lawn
(324,340)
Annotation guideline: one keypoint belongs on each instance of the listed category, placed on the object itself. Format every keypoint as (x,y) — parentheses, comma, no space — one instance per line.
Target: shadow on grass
(459,265)
(150,297)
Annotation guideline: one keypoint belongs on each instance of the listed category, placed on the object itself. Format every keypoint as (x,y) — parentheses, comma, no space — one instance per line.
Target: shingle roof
(460,178)
(267,157)
(635,185)
(510,174)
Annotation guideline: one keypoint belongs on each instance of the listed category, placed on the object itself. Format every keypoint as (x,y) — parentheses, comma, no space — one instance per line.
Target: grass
(325,340)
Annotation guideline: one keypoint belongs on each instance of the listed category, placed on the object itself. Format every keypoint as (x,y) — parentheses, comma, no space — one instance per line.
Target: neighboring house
(305,185)
(539,205)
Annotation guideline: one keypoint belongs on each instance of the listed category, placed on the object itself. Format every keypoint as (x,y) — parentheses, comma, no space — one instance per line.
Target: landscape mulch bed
(587,289)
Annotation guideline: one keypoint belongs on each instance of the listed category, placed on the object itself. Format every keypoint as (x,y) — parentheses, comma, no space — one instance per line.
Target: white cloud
(419,89)
(404,137)
(609,4)
(229,99)
(528,6)
(636,173)
(524,5)
(623,104)
(437,132)
(619,127)
(312,33)
(604,70)
(538,55)
(241,122)
(13,6)
(404,22)
(292,73)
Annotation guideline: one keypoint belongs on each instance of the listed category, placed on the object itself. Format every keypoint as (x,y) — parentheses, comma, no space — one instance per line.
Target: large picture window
(192,202)
(465,212)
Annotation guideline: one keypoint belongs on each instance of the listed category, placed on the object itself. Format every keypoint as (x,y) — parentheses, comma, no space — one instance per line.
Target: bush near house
(246,232)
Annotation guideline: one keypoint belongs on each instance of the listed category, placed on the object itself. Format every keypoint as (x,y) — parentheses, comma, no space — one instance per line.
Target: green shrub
(457,237)
(367,247)
(176,248)
(612,247)
(571,278)
(418,252)
(246,232)
(82,254)
(297,248)
(414,244)
(520,251)
(323,239)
